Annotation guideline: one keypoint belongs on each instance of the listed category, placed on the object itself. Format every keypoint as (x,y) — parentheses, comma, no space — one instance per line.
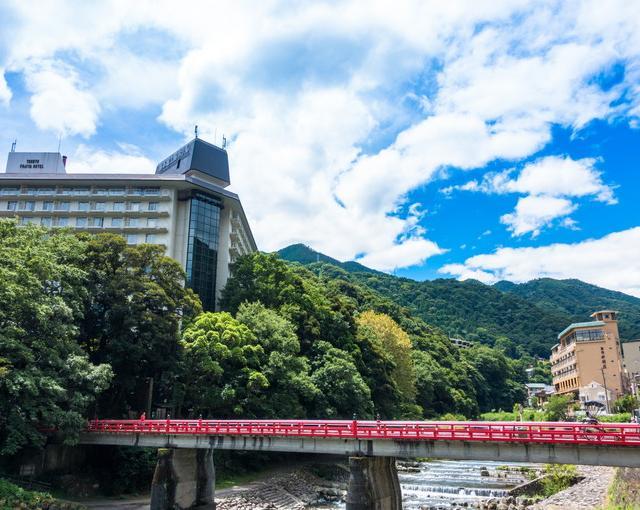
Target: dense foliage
(578,300)
(45,378)
(135,302)
(83,318)
(528,315)
(366,355)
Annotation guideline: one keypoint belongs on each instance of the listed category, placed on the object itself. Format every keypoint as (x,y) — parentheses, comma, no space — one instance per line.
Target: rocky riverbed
(303,488)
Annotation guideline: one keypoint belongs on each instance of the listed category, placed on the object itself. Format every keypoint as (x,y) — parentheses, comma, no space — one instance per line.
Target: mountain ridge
(529,315)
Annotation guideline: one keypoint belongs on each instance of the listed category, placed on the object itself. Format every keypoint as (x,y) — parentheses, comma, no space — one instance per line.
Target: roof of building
(579,325)
(603,311)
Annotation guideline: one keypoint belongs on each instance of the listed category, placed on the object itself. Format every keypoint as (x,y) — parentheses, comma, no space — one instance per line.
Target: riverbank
(588,494)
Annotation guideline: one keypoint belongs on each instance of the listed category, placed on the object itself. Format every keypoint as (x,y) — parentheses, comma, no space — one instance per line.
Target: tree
(246,367)
(386,335)
(135,303)
(291,391)
(625,404)
(557,407)
(342,390)
(45,378)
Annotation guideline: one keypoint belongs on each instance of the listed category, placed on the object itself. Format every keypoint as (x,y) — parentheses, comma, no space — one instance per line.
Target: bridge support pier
(184,478)
(373,484)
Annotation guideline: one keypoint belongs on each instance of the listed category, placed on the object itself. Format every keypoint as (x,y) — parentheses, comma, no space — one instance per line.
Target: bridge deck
(618,434)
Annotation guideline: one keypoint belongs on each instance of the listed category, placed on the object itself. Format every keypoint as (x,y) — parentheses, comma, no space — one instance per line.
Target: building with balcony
(184,206)
(589,352)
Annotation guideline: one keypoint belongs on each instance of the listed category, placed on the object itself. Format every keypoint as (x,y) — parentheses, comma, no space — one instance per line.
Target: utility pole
(606,392)
(149,397)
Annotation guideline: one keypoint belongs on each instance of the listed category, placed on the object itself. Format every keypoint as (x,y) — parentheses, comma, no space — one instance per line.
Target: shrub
(558,478)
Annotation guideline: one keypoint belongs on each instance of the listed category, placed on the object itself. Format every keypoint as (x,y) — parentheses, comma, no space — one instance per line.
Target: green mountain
(306,255)
(579,299)
(529,315)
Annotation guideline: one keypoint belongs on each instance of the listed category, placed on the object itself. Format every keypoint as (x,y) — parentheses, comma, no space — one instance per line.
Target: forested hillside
(524,317)
(91,321)
(578,300)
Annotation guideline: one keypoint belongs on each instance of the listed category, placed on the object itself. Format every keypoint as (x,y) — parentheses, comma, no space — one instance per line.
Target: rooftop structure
(184,206)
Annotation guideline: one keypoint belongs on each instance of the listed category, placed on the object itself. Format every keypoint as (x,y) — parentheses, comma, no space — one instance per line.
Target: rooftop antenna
(224,142)
(13,145)
(196,130)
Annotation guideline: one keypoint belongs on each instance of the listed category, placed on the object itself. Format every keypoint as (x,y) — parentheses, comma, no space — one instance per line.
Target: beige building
(183,206)
(589,352)
(631,357)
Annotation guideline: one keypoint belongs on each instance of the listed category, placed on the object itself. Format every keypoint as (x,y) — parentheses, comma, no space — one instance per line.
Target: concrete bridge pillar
(373,484)
(184,478)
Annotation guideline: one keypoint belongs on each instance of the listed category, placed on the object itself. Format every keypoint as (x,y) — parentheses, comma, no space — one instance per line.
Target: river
(439,484)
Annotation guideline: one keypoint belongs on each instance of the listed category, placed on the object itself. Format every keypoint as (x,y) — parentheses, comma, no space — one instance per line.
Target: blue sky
(460,139)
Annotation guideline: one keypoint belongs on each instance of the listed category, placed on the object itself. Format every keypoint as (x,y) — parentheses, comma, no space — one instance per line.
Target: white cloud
(611,261)
(309,95)
(534,212)
(88,160)
(548,183)
(58,102)
(5,91)
(411,252)
(558,177)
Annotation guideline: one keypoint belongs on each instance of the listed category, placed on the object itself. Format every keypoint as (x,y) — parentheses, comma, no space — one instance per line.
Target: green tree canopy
(246,367)
(134,305)
(45,378)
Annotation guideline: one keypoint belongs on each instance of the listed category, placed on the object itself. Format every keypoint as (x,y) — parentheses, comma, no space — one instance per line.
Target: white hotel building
(184,206)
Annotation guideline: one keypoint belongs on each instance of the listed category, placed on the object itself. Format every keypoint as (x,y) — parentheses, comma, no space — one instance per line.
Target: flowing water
(439,484)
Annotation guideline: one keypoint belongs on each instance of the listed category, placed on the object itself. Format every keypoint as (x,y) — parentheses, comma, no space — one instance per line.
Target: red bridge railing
(619,434)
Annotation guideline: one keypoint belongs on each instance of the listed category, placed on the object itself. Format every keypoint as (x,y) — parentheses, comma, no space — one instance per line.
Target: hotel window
(134,206)
(27,206)
(62,222)
(151,191)
(47,205)
(202,248)
(9,190)
(46,191)
(116,191)
(67,190)
(83,206)
(100,191)
(46,222)
(100,206)
(152,222)
(153,206)
(62,206)
(118,206)
(132,238)
(81,222)
(132,222)
(116,222)
(81,191)
(97,222)
(12,205)
(150,239)
(137,191)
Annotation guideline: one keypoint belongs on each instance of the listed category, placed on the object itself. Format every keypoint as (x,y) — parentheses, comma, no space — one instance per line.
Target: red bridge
(371,446)
(618,434)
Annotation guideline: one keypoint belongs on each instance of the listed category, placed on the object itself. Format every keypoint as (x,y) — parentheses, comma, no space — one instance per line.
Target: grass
(12,496)
(624,492)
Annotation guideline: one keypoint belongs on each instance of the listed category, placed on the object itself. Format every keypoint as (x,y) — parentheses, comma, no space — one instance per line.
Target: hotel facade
(184,206)
(589,352)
